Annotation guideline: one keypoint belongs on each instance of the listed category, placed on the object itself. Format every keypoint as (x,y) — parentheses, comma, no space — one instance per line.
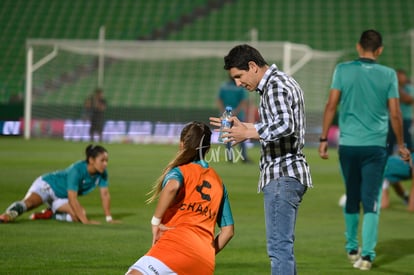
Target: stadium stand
(125,20)
(323,25)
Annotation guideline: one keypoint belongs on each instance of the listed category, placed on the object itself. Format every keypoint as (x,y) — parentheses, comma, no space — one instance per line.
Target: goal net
(151,87)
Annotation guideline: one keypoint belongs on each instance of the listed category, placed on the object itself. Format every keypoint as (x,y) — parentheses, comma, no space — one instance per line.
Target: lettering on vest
(198,207)
(199,189)
(205,211)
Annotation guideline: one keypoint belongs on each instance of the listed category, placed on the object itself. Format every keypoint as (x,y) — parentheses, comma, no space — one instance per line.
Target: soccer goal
(149,83)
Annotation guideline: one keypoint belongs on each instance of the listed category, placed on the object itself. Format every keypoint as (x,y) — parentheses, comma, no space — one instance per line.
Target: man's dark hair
(370,40)
(240,56)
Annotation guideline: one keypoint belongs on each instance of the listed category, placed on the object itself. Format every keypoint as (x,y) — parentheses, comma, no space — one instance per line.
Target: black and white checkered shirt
(281,128)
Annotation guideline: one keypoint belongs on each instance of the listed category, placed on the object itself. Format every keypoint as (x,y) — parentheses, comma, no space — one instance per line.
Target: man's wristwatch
(323,139)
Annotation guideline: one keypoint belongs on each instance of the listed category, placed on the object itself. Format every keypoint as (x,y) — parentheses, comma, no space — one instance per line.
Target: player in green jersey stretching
(60,190)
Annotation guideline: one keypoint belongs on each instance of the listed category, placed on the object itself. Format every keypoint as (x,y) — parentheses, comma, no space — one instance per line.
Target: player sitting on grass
(60,190)
(398,170)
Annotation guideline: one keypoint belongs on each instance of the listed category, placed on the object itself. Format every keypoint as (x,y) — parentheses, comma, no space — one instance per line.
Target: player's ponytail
(194,145)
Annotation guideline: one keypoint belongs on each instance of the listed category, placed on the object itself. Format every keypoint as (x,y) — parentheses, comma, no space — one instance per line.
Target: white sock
(385,184)
(63,217)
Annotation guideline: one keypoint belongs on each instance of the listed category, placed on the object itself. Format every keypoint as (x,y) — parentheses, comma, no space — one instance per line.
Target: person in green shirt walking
(367,94)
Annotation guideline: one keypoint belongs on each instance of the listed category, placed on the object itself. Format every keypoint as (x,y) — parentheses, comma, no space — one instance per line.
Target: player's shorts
(43,189)
(148,265)
(397,170)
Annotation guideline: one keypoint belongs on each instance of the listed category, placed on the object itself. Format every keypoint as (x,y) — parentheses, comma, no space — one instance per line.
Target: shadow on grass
(116,215)
(248,268)
(99,217)
(393,250)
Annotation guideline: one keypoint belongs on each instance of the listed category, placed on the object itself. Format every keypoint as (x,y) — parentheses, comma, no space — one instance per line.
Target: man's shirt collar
(265,78)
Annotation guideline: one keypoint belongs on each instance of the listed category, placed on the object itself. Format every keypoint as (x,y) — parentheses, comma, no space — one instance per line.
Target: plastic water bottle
(225,123)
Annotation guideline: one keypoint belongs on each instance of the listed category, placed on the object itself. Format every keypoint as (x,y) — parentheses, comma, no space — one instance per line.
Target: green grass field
(52,247)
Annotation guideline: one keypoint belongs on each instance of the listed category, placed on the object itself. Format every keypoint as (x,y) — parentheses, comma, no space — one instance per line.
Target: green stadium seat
(324,26)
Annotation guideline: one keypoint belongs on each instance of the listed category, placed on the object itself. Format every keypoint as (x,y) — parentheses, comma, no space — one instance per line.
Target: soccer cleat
(363,263)
(44,215)
(354,255)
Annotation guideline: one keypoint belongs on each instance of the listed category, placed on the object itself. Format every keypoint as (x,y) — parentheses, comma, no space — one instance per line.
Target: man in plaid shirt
(284,172)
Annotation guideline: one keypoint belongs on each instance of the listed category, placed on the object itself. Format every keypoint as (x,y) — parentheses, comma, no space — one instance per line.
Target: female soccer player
(191,200)
(60,190)
(397,170)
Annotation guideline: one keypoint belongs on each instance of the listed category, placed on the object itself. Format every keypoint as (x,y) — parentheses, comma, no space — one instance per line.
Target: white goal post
(292,57)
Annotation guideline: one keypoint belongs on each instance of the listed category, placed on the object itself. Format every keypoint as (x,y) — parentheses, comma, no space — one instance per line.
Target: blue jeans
(282,197)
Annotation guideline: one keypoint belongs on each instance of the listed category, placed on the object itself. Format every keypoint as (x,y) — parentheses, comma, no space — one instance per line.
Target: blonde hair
(195,139)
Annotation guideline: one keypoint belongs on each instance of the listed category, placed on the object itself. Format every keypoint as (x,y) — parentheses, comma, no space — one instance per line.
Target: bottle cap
(229,108)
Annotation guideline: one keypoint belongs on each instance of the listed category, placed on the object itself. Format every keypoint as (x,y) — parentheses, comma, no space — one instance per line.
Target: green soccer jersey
(75,178)
(232,95)
(407,108)
(365,88)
